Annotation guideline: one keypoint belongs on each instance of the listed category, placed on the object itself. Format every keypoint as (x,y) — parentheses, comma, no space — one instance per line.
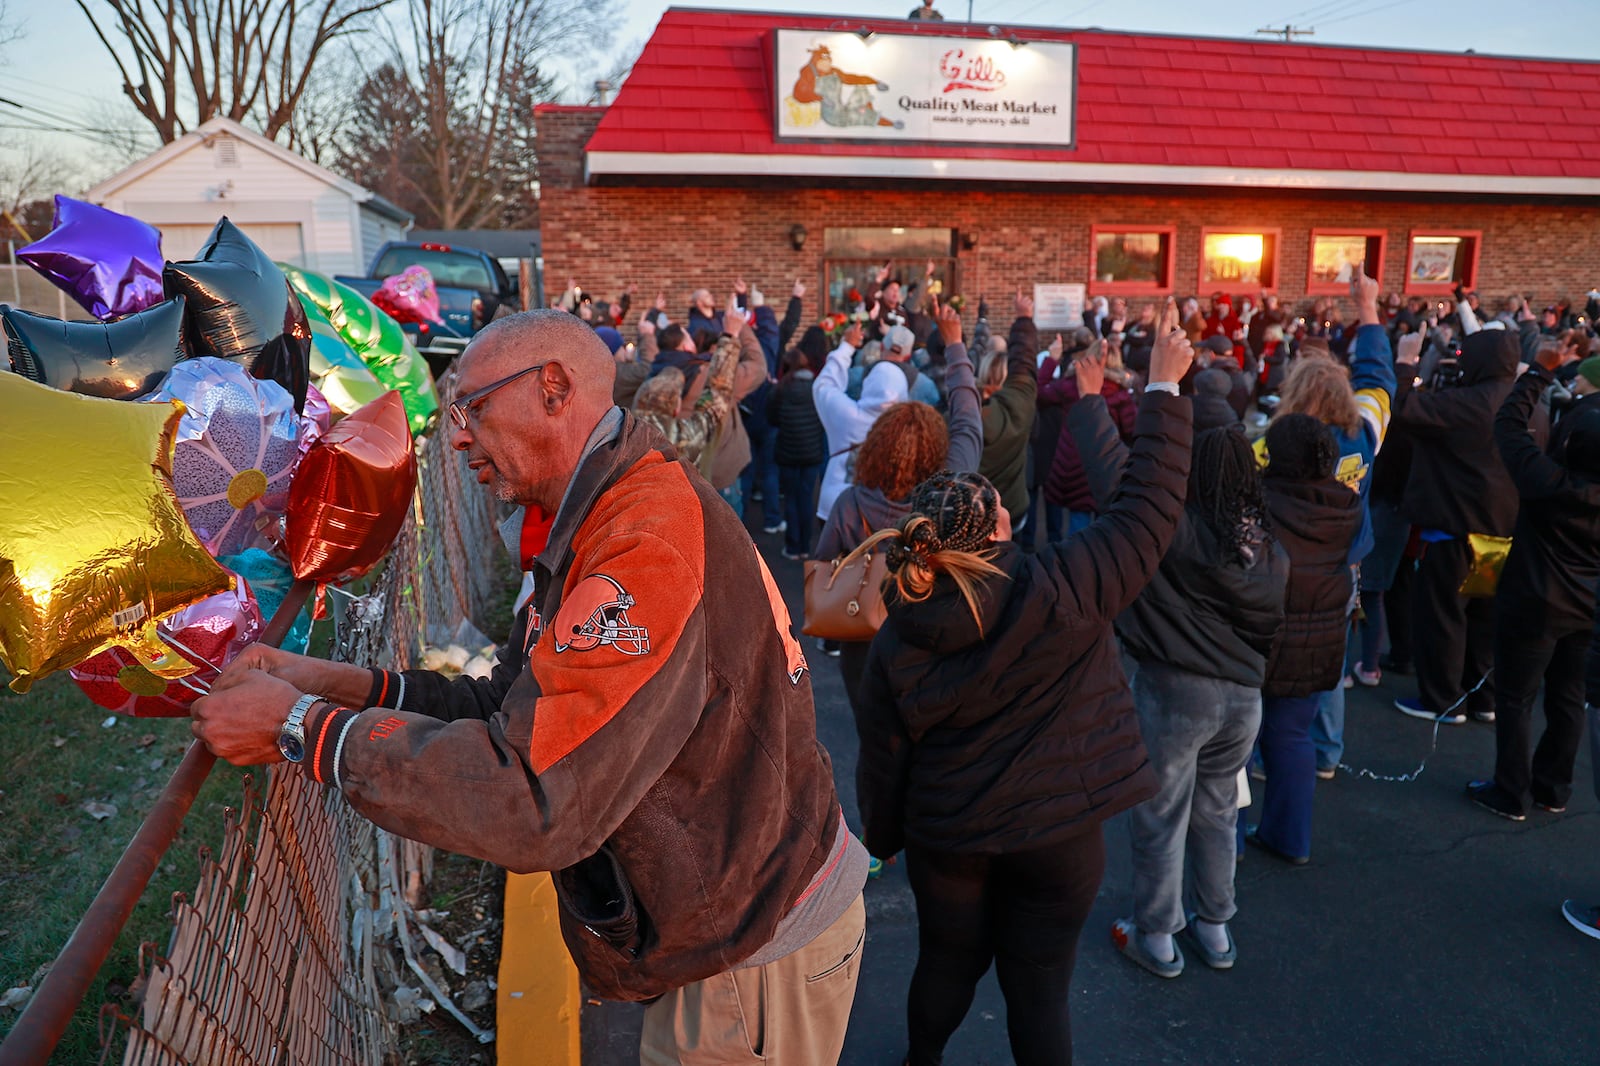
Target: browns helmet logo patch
(595,615)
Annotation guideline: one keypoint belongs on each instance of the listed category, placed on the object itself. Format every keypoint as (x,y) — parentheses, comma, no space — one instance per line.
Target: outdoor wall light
(866,34)
(798,235)
(969,240)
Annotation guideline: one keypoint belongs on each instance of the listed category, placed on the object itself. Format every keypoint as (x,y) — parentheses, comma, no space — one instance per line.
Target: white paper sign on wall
(1058,306)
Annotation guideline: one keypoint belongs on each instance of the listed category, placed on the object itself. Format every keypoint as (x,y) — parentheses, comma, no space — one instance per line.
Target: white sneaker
(781,527)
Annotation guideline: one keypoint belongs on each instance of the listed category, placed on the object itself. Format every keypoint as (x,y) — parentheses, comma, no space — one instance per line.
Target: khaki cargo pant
(792,1012)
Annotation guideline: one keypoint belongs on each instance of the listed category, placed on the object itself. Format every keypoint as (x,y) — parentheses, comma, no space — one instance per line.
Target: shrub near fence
(286,948)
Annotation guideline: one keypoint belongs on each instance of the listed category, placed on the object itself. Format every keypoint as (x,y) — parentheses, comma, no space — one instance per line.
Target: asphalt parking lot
(1424,930)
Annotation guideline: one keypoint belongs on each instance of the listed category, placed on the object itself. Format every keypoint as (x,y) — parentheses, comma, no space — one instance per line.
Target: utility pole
(1287,32)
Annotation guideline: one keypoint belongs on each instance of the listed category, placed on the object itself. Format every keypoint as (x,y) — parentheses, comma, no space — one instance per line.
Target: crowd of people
(1124,571)
(1356,465)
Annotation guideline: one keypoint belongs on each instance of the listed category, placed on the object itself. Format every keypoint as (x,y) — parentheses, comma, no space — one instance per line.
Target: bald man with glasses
(648,735)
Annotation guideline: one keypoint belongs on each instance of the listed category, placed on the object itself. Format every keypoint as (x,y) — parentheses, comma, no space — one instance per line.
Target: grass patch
(55,756)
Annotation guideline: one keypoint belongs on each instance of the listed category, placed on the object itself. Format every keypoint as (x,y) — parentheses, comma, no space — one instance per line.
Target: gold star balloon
(93,545)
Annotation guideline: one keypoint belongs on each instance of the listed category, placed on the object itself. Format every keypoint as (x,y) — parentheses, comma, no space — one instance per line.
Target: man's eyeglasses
(468,404)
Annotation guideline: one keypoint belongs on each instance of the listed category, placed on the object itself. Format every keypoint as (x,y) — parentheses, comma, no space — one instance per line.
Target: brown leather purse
(844,599)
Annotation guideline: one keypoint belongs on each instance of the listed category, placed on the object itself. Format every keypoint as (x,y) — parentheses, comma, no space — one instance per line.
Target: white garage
(297,211)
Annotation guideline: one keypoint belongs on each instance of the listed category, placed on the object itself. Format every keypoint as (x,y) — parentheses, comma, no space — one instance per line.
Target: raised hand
(733,321)
(949,325)
(1023,304)
(1172,354)
(799,291)
(854,336)
(1090,369)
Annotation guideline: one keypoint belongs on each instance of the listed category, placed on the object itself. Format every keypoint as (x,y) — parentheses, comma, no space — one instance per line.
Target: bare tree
(11,30)
(29,175)
(184,62)
(29,172)
(445,127)
(325,114)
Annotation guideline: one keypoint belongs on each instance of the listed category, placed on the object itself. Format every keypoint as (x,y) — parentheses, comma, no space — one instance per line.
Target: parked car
(471,285)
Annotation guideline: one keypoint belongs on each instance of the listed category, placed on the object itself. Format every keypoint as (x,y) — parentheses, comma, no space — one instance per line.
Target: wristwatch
(292,734)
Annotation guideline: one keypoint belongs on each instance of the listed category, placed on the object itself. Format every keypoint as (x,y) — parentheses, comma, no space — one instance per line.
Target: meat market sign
(896,87)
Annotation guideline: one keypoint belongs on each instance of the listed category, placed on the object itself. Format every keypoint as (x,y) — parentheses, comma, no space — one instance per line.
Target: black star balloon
(119,360)
(240,307)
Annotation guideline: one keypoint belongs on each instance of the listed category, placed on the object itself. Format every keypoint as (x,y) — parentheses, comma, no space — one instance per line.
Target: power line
(1368,11)
(1323,10)
(30,100)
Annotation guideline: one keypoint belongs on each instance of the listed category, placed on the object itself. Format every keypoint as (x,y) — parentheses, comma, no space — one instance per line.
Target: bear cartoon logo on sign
(595,615)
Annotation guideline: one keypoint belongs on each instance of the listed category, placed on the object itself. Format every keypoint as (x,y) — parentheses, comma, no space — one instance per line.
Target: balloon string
(190,681)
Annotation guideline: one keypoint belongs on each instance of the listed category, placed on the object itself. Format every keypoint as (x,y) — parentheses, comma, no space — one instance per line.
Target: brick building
(1177,165)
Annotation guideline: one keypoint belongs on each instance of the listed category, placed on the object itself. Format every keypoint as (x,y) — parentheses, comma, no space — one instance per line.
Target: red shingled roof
(703,86)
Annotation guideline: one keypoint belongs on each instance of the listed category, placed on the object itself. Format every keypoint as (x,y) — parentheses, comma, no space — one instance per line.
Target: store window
(853,256)
(1336,255)
(1131,259)
(1437,262)
(1239,259)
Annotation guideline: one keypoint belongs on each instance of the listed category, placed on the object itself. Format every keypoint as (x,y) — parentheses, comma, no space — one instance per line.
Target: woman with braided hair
(1200,634)
(997,730)
(907,443)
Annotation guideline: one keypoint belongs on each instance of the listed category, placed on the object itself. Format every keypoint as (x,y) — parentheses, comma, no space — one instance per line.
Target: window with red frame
(1337,254)
(1238,259)
(1131,259)
(1438,261)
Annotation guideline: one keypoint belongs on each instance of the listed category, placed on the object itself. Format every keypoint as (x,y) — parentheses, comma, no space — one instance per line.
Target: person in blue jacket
(1356,405)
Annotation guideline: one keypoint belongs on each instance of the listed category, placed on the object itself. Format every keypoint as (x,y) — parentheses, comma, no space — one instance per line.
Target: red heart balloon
(349,498)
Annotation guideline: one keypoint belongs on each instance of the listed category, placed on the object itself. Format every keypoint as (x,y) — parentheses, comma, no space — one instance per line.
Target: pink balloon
(410,296)
(209,634)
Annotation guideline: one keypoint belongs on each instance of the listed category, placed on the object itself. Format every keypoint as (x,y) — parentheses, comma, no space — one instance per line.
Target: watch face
(292,747)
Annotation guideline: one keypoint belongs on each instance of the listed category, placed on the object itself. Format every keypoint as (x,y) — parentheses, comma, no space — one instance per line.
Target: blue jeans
(763,473)
(734,497)
(1198,731)
(1055,523)
(1327,728)
(1290,760)
(799,485)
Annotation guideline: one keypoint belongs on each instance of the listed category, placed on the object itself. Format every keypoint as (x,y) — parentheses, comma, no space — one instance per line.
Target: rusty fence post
(40,1027)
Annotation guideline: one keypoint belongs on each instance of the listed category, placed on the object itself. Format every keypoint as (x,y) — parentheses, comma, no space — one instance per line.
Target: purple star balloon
(109,263)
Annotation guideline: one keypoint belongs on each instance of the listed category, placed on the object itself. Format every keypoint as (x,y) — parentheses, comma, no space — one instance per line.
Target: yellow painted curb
(537,1005)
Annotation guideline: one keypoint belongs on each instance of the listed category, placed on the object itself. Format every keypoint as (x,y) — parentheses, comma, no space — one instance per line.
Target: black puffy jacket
(1316,522)
(1458,483)
(1020,733)
(1202,612)
(801,439)
(1548,585)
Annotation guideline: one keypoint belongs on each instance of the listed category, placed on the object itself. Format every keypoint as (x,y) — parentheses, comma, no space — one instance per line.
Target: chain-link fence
(301,923)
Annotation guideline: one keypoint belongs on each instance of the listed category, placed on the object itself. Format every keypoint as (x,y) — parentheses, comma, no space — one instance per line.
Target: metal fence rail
(282,953)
